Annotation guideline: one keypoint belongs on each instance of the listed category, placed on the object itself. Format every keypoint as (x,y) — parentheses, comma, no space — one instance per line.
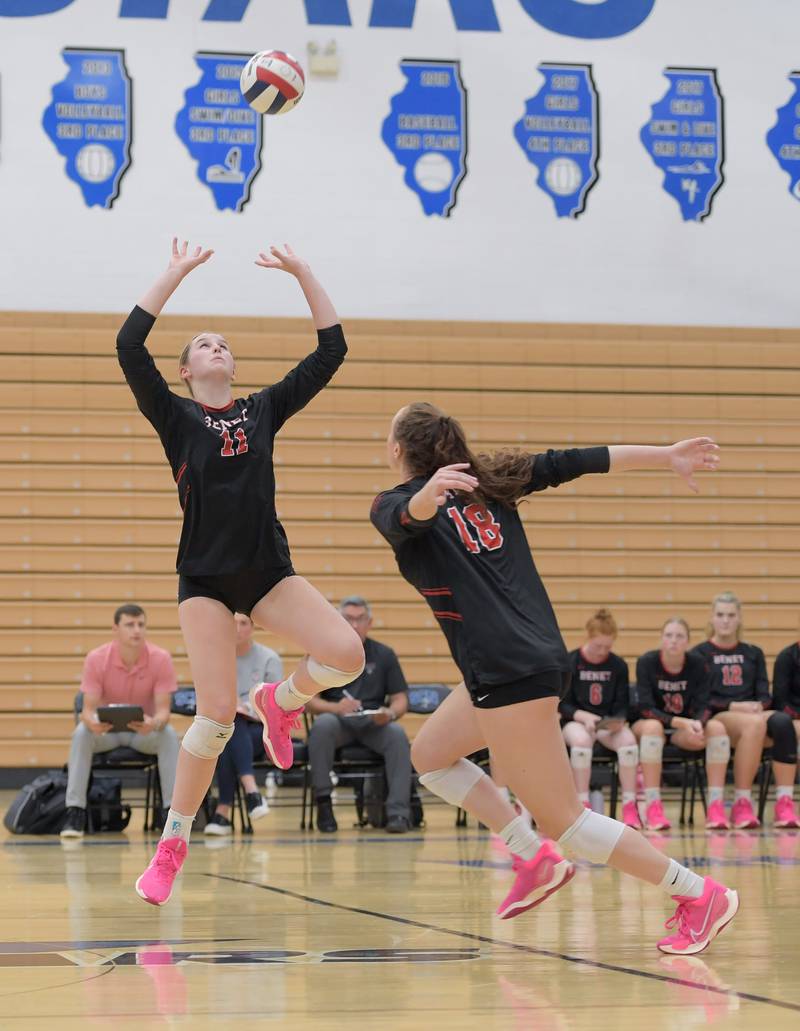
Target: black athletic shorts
(551,683)
(240,592)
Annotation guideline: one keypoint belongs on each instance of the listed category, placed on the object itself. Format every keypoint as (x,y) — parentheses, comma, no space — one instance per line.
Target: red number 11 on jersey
(227,443)
(490,535)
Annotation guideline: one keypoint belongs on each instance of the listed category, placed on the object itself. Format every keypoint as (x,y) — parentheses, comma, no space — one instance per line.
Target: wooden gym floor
(364,930)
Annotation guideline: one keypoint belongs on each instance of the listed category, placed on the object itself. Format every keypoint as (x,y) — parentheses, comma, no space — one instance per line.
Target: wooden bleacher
(89,516)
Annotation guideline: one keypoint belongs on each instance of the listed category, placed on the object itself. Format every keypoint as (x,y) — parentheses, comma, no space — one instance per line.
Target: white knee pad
(327,676)
(628,755)
(206,738)
(718,749)
(592,836)
(454,783)
(580,758)
(651,748)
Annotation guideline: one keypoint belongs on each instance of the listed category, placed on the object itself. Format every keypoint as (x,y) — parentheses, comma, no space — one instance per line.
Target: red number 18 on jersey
(490,534)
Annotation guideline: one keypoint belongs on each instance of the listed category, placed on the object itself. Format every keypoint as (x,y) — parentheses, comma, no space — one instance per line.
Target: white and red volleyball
(272,82)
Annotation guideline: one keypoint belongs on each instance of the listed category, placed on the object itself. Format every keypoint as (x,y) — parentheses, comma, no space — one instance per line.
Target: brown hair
(431,439)
(677,619)
(134,611)
(602,622)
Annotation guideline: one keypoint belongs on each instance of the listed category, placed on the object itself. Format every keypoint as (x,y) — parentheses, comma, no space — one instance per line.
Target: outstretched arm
(149,387)
(316,370)
(322,310)
(181,263)
(684,458)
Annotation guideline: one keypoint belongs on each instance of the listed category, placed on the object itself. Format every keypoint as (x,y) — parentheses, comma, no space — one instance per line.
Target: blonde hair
(727,598)
(183,361)
(677,619)
(602,622)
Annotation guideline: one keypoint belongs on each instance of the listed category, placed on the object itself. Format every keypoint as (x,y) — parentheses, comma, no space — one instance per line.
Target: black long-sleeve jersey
(737,674)
(221,459)
(786,681)
(661,695)
(599,687)
(472,564)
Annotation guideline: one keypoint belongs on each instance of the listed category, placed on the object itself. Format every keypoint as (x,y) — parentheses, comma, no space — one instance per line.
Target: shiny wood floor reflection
(364,930)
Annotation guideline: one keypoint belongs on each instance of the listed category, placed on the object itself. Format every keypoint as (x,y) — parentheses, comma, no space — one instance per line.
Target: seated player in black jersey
(595,710)
(672,688)
(454,526)
(233,554)
(786,683)
(740,700)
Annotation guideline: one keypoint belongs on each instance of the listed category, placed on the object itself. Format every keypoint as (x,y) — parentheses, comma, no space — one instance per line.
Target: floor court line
(529,949)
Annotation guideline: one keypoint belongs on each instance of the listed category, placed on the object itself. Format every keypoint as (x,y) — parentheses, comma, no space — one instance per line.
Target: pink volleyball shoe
(743,816)
(655,818)
(699,921)
(155,884)
(785,813)
(630,816)
(716,819)
(537,879)
(278,725)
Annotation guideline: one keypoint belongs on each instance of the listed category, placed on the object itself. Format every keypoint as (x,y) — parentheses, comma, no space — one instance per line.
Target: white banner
(535,160)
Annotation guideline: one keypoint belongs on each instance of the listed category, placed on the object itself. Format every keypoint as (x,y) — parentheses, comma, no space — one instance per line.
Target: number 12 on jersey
(490,535)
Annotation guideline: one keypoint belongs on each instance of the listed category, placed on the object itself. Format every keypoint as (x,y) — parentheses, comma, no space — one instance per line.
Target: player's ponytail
(430,439)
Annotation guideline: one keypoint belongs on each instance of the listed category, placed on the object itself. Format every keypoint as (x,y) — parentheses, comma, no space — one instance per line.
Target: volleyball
(272,82)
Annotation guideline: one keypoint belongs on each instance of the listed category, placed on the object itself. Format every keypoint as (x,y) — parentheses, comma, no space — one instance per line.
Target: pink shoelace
(164,858)
(289,720)
(680,919)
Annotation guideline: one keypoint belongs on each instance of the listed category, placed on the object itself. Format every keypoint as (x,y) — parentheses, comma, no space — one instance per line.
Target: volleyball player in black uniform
(594,709)
(233,554)
(786,683)
(740,700)
(458,539)
(672,689)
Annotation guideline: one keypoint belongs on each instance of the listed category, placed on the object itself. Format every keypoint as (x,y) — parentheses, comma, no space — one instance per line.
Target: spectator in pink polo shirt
(130,671)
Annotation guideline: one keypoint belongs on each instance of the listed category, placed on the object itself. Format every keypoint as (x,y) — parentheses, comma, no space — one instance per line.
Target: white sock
(743,794)
(680,880)
(583,796)
(784,792)
(505,793)
(652,795)
(715,794)
(520,839)
(288,697)
(177,825)
(628,796)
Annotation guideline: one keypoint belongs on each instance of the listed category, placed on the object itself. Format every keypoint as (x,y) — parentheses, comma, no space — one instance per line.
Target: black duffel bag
(40,806)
